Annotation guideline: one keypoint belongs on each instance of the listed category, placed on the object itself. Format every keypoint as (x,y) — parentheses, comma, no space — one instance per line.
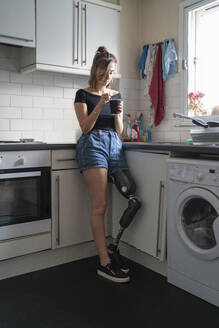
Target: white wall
(159,20)
(129,38)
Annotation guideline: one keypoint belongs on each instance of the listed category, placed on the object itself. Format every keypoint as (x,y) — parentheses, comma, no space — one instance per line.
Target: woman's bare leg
(96,181)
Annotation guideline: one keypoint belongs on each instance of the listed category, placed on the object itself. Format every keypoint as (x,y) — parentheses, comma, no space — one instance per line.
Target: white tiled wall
(36,105)
(39,105)
(168,130)
(130,91)
(133,94)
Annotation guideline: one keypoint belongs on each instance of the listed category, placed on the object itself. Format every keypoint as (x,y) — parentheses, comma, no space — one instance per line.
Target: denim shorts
(100,148)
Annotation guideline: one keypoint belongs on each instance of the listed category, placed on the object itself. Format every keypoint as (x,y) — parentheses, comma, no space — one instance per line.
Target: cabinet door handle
(160,213)
(185,64)
(18,175)
(16,37)
(65,159)
(76,33)
(85,35)
(58,210)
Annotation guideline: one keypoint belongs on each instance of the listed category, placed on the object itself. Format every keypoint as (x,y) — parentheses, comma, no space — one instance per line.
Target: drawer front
(64,159)
(22,246)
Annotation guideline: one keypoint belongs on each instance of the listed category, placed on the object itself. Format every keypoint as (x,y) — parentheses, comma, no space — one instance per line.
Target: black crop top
(105,120)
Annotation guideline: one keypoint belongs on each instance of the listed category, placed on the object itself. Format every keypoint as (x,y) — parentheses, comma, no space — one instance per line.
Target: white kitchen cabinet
(17,22)
(147,232)
(54,31)
(105,31)
(68,34)
(71,206)
(94,25)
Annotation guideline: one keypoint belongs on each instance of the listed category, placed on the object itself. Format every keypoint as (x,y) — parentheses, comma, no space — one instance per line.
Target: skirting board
(49,258)
(144,259)
(45,259)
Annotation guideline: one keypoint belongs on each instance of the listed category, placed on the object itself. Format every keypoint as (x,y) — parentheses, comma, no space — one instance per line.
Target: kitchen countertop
(35,146)
(173,147)
(152,146)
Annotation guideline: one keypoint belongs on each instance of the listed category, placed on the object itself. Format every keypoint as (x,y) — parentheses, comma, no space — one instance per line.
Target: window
(199,53)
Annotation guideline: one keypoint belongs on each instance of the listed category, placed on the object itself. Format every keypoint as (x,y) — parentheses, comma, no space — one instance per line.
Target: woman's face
(105,77)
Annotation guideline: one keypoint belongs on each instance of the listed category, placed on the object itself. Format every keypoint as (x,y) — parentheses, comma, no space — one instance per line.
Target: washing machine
(193,226)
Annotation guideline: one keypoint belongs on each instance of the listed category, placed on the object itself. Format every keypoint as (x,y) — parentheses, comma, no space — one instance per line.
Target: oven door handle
(16,175)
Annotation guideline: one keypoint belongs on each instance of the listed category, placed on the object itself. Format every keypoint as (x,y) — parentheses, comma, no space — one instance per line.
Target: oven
(25,202)
(24,195)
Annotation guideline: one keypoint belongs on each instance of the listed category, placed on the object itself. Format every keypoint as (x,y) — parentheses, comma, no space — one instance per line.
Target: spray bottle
(135,131)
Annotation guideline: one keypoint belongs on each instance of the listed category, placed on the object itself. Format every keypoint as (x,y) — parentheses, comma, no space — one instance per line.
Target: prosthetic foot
(116,257)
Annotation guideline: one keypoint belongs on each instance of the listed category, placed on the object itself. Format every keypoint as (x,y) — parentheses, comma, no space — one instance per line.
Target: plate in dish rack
(209,135)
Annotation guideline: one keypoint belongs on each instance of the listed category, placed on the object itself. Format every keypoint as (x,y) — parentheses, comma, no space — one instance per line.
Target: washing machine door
(197,213)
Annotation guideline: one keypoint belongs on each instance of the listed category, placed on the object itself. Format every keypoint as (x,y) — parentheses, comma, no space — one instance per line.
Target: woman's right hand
(105,98)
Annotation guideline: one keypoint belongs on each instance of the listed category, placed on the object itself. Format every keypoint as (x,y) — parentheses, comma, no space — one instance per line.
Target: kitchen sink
(156,143)
(165,142)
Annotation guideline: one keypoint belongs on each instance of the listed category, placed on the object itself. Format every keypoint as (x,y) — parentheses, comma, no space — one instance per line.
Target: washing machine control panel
(199,174)
(181,172)
(207,176)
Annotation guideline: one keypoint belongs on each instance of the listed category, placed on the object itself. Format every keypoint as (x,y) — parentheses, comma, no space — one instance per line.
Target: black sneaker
(116,257)
(111,272)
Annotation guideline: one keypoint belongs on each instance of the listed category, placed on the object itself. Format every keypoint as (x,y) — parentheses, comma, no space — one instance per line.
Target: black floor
(71,295)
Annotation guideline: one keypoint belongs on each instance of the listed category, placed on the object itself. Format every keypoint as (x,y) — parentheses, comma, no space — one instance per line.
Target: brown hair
(101,60)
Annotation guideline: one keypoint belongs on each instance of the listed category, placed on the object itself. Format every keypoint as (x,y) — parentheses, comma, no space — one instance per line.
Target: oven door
(25,195)
(25,211)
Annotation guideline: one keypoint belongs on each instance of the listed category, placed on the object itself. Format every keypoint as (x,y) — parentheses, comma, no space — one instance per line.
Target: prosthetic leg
(127,187)
(117,270)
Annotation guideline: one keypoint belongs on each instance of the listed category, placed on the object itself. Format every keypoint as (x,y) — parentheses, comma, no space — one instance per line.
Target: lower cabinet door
(147,231)
(70,209)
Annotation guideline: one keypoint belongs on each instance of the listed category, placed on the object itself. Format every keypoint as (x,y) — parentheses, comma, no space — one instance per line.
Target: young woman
(99,150)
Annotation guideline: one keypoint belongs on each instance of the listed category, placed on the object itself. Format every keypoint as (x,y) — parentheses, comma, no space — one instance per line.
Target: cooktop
(25,140)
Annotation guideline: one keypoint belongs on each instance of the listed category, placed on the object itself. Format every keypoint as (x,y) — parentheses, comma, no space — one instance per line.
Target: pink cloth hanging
(156,90)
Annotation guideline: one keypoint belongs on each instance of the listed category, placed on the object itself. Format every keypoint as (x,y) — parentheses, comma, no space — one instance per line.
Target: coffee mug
(114,106)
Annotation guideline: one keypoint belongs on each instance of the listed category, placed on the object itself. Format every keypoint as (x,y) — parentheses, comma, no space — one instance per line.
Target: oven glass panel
(198,217)
(25,199)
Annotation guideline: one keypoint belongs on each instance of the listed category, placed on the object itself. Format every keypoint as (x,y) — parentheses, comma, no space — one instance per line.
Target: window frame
(184,8)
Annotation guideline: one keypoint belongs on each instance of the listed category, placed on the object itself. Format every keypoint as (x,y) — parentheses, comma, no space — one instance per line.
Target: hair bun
(102,49)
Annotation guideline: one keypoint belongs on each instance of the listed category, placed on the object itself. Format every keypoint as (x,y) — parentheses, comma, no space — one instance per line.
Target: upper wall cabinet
(17,22)
(68,34)
(94,26)
(54,32)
